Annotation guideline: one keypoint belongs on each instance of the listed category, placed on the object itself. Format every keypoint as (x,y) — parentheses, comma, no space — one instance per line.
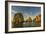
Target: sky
(26,11)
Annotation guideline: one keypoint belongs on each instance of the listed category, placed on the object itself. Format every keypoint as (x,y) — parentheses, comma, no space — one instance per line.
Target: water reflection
(30,24)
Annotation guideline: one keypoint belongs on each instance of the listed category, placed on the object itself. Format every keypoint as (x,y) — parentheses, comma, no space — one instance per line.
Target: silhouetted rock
(18,20)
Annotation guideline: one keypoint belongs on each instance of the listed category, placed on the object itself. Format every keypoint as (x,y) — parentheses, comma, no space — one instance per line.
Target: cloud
(14,12)
(36,14)
(27,15)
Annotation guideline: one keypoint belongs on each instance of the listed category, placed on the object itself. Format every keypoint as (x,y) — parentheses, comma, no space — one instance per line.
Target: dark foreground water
(27,24)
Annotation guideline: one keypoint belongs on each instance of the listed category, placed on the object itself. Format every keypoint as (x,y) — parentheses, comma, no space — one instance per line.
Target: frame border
(6,16)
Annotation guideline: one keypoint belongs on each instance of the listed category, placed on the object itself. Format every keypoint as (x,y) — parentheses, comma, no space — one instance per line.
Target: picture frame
(22,6)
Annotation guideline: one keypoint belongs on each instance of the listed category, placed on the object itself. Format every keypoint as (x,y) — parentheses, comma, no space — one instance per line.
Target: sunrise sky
(26,11)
